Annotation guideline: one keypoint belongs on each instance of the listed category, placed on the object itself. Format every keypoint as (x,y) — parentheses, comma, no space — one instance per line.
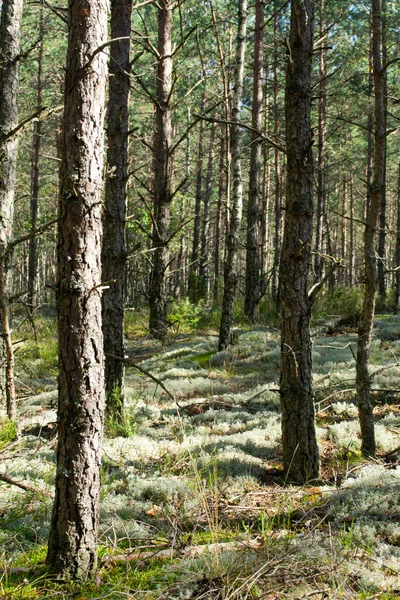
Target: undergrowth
(193,503)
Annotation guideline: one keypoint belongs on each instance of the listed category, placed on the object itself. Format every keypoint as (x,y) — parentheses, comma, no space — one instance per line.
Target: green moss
(203,360)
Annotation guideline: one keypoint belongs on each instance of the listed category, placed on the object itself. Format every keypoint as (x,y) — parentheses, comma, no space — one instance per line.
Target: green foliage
(8,432)
(346,302)
(136,322)
(118,422)
(185,316)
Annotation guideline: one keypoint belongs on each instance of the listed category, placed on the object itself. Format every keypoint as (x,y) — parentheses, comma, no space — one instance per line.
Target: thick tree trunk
(363,377)
(35,176)
(72,548)
(300,450)
(253,275)
(114,243)
(231,272)
(10,32)
(162,175)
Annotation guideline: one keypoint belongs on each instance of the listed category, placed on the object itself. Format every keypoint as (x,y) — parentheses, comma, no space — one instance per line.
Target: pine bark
(300,449)
(81,400)
(162,175)
(253,275)
(10,38)
(363,377)
(231,272)
(114,242)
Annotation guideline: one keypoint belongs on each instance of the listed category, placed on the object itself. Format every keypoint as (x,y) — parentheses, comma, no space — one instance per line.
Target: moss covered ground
(194,504)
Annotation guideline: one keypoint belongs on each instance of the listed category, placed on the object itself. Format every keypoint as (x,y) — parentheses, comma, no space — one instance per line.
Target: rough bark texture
(253,279)
(162,175)
(114,243)
(300,450)
(231,274)
(73,535)
(10,28)
(35,176)
(363,377)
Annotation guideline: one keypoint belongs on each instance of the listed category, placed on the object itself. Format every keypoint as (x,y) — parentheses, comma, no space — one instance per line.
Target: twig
(130,362)
(24,486)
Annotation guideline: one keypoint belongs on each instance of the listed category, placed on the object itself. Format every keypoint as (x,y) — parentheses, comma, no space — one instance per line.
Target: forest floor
(194,504)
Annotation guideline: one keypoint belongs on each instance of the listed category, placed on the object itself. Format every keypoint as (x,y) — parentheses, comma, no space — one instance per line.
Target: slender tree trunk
(218,216)
(321,188)
(265,199)
(35,175)
(351,237)
(231,274)
(383,205)
(363,377)
(193,288)
(253,279)
(162,175)
(72,549)
(397,251)
(204,253)
(300,449)
(114,242)
(10,31)
(278,177)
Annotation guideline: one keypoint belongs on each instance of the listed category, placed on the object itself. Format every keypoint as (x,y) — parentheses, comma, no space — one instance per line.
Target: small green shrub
(341,301)
(185,316)
(8,432)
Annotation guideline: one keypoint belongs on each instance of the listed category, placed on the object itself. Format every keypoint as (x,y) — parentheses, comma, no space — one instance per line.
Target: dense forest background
(239,253)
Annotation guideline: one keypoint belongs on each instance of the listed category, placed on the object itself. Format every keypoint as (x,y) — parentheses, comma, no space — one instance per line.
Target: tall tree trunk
(10,32)
(253,280)
(277,166)
(321,188)
(300,449)
(114,242)
(204,258)
(363,377)
(35,175)
(397,251)
(351,253)
(218,216)
(193,288)
(382,214)
(72,550)
(162,175)
(265,198)
(231,274)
